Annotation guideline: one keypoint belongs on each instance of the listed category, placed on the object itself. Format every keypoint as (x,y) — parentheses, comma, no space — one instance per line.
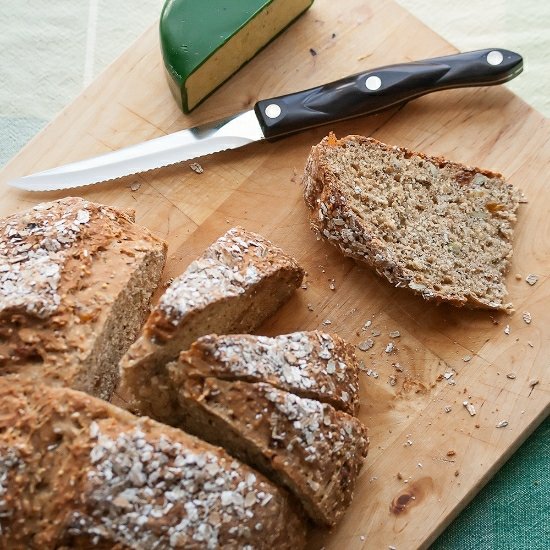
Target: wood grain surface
(425,464)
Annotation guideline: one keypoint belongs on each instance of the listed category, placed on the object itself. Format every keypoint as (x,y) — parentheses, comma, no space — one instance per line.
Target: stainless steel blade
(229,133)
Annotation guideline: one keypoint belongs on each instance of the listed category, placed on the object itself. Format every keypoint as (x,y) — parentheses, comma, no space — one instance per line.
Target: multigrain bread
(239,281)
(309,364)
(441,229)
(307,446)
(75,283)
(76,472)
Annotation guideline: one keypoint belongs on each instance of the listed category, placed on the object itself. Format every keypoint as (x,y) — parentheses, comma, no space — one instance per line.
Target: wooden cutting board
(425,464)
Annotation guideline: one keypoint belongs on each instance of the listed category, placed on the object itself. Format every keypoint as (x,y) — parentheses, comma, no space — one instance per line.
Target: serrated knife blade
(364,93)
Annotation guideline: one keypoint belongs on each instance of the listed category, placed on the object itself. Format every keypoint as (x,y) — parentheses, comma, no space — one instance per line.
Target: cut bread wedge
(77,472)
(436,227)
(239,281)
(76,279)
(309,364)
(309,447)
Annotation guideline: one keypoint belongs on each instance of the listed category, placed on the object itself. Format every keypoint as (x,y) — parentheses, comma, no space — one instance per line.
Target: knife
(364,93)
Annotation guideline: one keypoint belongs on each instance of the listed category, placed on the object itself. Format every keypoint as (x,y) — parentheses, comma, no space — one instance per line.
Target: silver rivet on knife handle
(495,57)
(373,83)
(272,110)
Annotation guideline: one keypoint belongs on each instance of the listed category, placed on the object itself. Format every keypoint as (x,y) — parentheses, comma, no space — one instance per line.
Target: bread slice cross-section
(439,228)
(239,281)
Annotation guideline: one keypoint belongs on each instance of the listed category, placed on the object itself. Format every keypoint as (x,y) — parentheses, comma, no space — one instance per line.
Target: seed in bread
(77,472)
(239,281)
(310,364)
(307,446)
(441,229)
(76,279)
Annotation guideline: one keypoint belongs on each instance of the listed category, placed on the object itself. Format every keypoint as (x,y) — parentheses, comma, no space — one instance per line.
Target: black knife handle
(378,89)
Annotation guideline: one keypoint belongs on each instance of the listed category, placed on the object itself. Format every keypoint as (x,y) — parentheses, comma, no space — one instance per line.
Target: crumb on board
(526,316)
(502,424)
(327,322)
(376,333)
(135,186)
(332,286)
(507,329)
(366,345)
(451,453)
(395,334)
(312,52)
(447,409)
(397,367)
(518,277)
(392,380)
(399,476)
(457,473)
(530,344)
(390,347)
(196,167)
(310,307)
(367,324)
(467,358)
(531,279)
(469,407)
(511,375)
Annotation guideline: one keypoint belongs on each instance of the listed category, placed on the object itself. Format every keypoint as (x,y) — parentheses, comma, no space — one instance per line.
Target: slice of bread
(441,229)
(76,472)
(307,446)
(76,279)
(310,364)
(237,283)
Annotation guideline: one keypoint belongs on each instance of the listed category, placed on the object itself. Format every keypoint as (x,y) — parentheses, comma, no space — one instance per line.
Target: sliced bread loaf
(76,472)
(75,283)
(441,229)
(307,446)
(237,283)
(310,364)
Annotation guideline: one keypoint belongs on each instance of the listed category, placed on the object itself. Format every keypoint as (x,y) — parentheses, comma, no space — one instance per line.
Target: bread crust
(310,364)
(309,447)
(76,282)
(332,218)
(76,471)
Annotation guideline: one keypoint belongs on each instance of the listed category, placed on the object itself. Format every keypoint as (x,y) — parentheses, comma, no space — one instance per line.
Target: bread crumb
(467,358)
(392,380)
(366,345)
(375,333)
(310,307)
(531,279)
(397,367)
(390,347)
(327,322)
(367,324)
(196,167)
(451,453)
(448,409)
(502,424)
(530,344)
(526,317)
(511,376)
(507,329)
(518,277)
(395,334)
(135,186)
(469,407)
(456,473)
(399,476)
